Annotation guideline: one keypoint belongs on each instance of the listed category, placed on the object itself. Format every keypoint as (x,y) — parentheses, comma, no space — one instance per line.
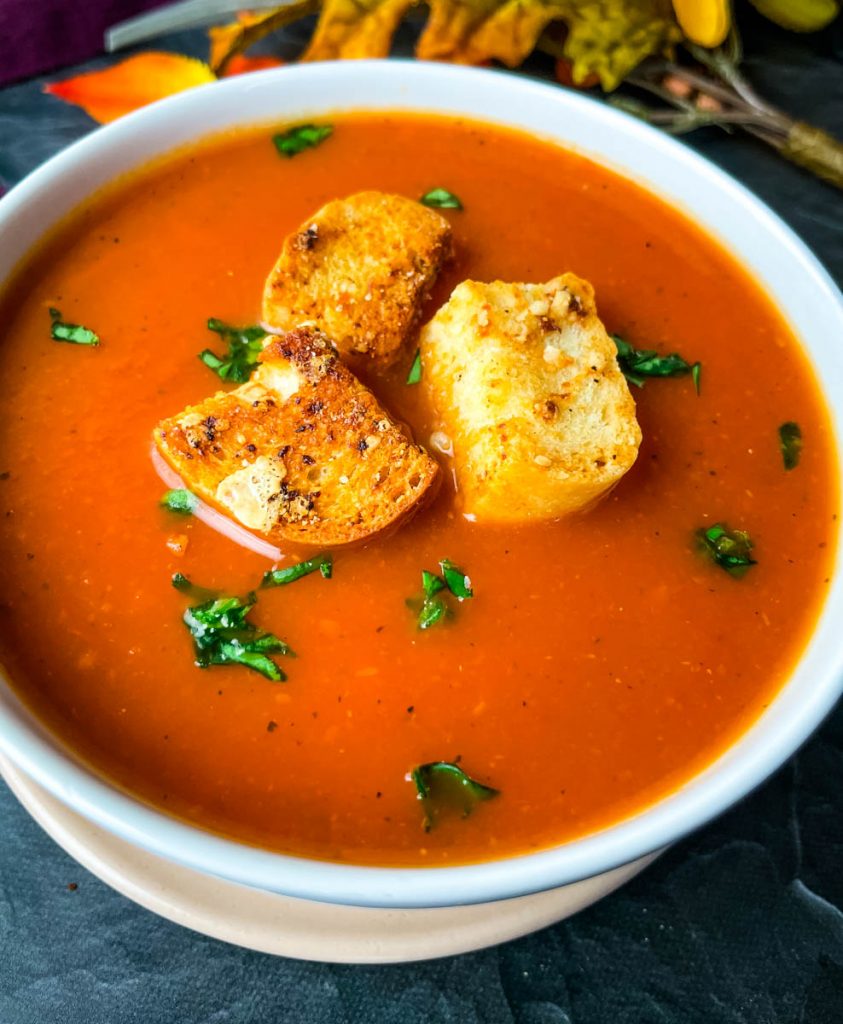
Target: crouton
(302,452)
(359,269)
(527,385)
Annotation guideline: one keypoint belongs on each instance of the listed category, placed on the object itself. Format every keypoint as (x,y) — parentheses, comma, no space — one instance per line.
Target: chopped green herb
(180,500)
(222,635)
(414,376)
(302,137)
(730,549)
(433,608)
(443,786)
(441,199)
(244,347)
(182,583)
(458,583)
(74,333)
(278,577)
(790,442)
(431,583)
(636,365)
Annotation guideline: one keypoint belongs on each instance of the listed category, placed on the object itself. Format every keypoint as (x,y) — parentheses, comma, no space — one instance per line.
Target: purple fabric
(42,35)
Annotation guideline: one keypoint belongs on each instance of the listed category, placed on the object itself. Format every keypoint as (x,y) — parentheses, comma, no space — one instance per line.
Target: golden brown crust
(526,382)
(359,269)
(303,452)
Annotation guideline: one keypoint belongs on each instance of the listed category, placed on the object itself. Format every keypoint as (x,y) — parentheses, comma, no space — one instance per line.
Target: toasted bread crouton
(526,383)
(359,269)
(302,452)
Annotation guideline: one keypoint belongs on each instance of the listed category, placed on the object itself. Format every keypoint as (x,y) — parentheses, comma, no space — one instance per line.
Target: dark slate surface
(740,924)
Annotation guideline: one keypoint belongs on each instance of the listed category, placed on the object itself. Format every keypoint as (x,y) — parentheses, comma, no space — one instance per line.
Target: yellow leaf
(450,27)
(510,33)
(705,22)
(612,37)
(356,29)
(229,40)
(121,88)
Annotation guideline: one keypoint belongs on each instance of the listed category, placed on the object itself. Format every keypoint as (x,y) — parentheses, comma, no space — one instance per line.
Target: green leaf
(414,376)
(180,501)
(244,347)
(730,549)
(279,577)
(431,583)
(636,365)
(458,583)
(222,635)
(76,334)
(183,584)
(443,787)
(441,199)
(302,137)
(433,610)
(790,442)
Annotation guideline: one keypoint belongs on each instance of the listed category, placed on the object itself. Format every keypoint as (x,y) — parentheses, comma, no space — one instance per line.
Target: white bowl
(783,265)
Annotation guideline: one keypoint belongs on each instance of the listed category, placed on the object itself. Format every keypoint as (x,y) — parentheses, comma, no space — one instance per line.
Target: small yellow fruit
(705,22)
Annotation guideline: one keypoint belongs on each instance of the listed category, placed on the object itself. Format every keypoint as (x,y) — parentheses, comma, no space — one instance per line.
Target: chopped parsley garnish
(302,137)
(442,786)
(636,365)
(278,577)
(180,500)
(433,607)
(222,636)
(790,442)
(414,376)
(730,549)
(76,334)
(244,347)
(441,199)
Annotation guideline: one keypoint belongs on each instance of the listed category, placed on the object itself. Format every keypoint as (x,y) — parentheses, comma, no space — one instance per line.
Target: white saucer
(297,928)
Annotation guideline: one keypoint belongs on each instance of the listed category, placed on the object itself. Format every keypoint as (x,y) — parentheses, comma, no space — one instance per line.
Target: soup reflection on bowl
(412,490)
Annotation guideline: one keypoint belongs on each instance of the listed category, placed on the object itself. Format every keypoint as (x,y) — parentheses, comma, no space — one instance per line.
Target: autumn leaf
(610,38)
(144,78)
(229,40)
(356,29)
(243,65)
(450,27)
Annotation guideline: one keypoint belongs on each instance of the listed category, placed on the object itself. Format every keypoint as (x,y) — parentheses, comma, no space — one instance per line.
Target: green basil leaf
(443,787)
(637,365)
(244,347)
(279,577)
(222,634)
(76,334)
(458,583)
(180,501)
(433,610)
(301,137)
(431,583)
(790,443)
(414,376)
(441,199)
(730,549)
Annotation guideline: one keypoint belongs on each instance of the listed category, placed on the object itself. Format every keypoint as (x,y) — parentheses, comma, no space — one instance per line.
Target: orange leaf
(144,78)
(242,65)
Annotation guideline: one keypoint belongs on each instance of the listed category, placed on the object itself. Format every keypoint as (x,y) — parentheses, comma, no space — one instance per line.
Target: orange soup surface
(603,660)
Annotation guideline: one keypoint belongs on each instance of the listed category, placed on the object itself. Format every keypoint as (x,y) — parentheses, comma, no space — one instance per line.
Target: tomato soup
(603,660)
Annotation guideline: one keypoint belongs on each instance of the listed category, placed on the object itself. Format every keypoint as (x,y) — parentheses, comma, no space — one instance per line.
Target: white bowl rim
(634,150)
